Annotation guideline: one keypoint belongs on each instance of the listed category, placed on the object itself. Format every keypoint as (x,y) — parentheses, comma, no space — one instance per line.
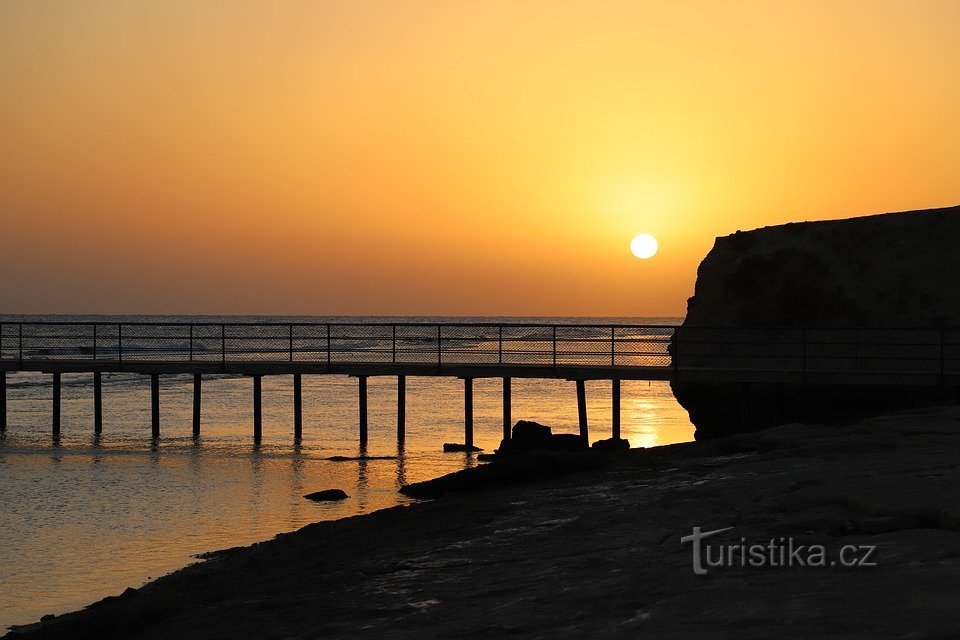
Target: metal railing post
(191,342)
(94,340)
(613,347)
(554,346)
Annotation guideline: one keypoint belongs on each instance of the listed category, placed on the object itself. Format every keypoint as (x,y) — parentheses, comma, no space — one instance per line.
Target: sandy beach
(598,553)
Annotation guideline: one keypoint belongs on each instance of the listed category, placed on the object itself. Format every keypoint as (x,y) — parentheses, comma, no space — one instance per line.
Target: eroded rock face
(889,270)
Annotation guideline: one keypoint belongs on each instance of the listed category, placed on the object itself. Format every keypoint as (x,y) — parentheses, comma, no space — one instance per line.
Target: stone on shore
(327,495)
(530,431)
(453,447)
(612,444)
(531,436)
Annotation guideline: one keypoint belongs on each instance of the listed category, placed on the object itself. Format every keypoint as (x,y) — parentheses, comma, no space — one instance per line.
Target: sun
(644,246)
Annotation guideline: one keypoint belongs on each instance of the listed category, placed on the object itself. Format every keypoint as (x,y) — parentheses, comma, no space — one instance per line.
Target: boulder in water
(327,495)
(451,447)
(531,436)
(529,431)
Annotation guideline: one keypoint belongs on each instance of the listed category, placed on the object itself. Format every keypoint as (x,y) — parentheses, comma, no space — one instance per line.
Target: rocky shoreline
(598,553)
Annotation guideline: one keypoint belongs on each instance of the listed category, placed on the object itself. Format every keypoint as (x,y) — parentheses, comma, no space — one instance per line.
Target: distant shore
(598,553)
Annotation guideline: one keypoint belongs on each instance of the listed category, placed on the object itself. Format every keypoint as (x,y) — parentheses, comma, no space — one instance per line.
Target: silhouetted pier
(576,352)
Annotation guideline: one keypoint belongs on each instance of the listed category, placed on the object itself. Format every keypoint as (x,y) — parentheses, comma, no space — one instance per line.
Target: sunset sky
(447,157)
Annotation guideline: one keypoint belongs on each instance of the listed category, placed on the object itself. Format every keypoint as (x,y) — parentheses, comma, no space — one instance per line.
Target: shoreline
(598,552)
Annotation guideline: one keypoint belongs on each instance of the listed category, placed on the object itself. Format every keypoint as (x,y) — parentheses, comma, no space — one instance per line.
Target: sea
(86,517)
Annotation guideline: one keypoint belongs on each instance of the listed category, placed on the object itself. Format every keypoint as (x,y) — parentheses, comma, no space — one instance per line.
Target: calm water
(86,518)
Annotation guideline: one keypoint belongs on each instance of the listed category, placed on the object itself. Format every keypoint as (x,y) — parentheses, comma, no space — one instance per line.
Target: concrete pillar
(362,380)
(56,405)
(297,407)
(155,405)
(507,410)
(468,412)
(582,412)
(257,409)
(97,403)
(197,396)
(401,409)
(615,418)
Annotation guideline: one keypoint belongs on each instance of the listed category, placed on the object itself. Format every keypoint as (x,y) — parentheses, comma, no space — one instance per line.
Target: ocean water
(86,517)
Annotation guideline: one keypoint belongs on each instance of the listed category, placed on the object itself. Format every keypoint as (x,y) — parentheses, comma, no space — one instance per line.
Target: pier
(574,352)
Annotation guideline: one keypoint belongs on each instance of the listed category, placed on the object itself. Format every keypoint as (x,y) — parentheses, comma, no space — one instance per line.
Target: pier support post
(507,410)
(97,403)
(615,417)
(197,395)
(468,412)
(401,409)
(582,412)
(257,409)
(297,407)
(56,405)
(155,406)
(362,381)
(3,401)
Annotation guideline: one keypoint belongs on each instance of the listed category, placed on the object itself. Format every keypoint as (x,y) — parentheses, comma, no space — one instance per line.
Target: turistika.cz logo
(775,552)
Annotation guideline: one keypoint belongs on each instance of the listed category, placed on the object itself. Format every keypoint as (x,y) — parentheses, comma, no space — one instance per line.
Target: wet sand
(597,553)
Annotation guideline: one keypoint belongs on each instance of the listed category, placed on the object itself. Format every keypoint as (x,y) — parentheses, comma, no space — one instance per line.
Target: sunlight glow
(448,157)
(644,246)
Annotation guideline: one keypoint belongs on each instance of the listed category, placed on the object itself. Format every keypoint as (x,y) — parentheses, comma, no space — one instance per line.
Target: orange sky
(447,157)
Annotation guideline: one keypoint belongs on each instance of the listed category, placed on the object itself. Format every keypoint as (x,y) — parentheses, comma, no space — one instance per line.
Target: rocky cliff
(895,269)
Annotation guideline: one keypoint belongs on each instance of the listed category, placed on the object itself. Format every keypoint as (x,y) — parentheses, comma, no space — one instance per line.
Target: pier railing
(794,349)
(401,343)
(821,355)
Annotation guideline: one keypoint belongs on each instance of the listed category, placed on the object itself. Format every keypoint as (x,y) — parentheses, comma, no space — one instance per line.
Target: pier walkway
(577,352)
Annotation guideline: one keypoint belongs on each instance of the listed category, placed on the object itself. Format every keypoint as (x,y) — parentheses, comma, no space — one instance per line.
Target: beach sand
(597,553)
